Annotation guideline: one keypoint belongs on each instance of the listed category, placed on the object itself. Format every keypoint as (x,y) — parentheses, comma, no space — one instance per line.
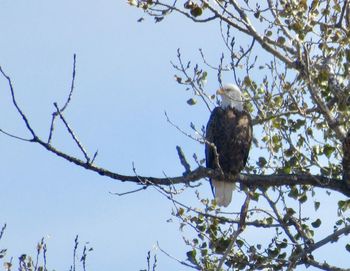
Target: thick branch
(325,266)
(202,172)
(240,229)
(265,42)
(329,239)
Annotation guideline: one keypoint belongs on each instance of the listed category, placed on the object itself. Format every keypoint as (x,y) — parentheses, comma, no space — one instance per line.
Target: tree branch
(240,229)
(265,42)
(329,239)
(70,131)
(325,266)
(30,129)
(202,172)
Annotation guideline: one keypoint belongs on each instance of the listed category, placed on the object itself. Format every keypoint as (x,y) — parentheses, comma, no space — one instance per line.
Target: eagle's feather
(230,130)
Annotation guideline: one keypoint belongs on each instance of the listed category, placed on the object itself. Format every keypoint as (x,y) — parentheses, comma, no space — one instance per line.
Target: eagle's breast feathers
(230,131)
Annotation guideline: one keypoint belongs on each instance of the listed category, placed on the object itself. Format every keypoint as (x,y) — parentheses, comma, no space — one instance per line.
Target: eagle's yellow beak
(220,91)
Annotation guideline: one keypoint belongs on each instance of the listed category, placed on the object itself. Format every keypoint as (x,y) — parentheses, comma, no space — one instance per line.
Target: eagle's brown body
(230,130)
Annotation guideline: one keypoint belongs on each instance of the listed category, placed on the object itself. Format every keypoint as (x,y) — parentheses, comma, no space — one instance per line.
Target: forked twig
(55,114)
(17,107)
(240,229)
(70,131)
(183,160)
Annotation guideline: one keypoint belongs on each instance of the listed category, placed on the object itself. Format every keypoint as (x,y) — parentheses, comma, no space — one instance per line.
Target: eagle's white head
(231,96)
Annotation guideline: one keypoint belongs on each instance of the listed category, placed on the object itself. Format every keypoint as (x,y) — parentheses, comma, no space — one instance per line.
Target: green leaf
(255,196)
(309,131)
(290,211)
(191,101)
(180,212)
(303,198)
(314,4)
(293,193)
(343,205)
(269,220)
(261,162)
(328,150)
(273,252)
(239,243)
(300,123)
(283,244)
(316,223)
(275,139)
(281,40)
(282,256)
(189,4)
(132,2)
(347,247)
(278,100)
(196,11)
(317,205)
(191,256)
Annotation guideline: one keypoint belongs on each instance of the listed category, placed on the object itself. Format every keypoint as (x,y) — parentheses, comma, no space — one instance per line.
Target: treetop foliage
(295,76)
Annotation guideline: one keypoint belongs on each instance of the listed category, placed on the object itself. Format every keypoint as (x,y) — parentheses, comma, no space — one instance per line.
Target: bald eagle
(228,140)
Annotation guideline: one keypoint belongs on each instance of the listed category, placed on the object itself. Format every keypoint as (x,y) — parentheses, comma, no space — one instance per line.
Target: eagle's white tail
(223,192)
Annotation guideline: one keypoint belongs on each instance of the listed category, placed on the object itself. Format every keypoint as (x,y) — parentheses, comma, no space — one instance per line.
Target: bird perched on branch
(228,140)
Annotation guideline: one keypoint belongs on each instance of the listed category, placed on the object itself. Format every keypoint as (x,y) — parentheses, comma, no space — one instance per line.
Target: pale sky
(124,84)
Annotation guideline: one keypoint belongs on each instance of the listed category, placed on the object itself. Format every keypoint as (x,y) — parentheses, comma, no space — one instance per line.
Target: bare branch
(129,192)
(72,85)
(179,261)
(174,8)
(2,230)
(202,172)
(14,136)
(30,129)
(280,218)
(70,131)
(322,106)
(240,229)
(325,266)
(183,160)
(329,239)
(55,114)
(249,30)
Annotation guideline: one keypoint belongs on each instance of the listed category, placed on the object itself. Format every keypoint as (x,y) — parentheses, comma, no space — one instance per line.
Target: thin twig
(14,136)
(72,85)
(325,266)
(2,230)
(30,129)
(129,192)
(179,261)
(70,131)
(55,114)
(328,239)
(240,229)
(75,250)
(183,160)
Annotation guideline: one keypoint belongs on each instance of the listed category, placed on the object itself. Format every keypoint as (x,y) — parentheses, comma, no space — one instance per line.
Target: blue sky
(124,84)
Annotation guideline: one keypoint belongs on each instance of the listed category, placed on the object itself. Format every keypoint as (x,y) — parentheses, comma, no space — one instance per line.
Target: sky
(124,84)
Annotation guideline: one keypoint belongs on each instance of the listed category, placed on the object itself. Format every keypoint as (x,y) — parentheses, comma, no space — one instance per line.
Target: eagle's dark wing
(212,135)
(242,140)
(230,131)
